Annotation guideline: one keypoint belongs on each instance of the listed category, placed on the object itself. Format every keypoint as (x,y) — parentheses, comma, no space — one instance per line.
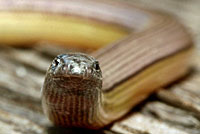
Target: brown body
(155,52)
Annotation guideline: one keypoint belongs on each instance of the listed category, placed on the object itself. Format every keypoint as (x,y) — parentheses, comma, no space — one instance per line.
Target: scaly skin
(72,86)
(150,50)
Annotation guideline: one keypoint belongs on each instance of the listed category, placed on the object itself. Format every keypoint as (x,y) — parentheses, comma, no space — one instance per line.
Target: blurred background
(22,71)
(187,12)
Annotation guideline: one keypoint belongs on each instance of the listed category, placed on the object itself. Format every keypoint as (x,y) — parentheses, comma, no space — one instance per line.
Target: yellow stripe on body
(123,97)
(29,27)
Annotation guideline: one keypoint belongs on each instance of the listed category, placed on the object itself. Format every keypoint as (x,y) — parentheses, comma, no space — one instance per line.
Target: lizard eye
(96,65)
(56,62)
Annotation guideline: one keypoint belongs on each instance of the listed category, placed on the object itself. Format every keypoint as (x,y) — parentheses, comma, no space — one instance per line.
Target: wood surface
(175,110)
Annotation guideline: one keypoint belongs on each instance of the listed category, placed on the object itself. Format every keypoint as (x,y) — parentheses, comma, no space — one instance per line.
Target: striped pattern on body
(154,50)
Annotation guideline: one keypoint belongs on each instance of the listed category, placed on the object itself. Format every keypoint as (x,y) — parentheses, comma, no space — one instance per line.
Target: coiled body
(154,50)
